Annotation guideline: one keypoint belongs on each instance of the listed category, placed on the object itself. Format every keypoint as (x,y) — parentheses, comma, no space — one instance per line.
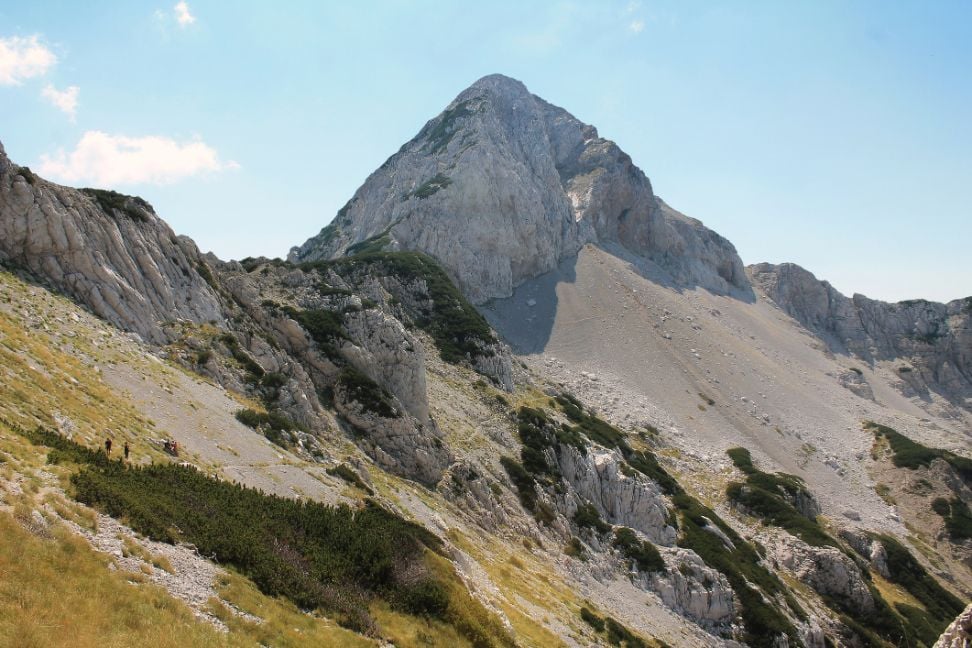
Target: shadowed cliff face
(108,251)
(502,186)
(933,341)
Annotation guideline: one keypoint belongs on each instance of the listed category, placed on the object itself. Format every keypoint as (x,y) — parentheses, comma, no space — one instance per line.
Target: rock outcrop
(959,633)
(109,252)
(628,500)
(502,186)
(932,340)
(826,569)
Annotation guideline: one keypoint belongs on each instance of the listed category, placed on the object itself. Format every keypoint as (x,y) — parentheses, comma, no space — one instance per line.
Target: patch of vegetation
(616,633)
(350,475)
(372,396)
(273,425)
(334,558)
(958,519)
(586,516)
(647,464)
(941,605)
(524,482)
(203,356)
(204,271)
(709,401)
(904,369)
(371,245)
(109,201)
(575,549)
(594,428)
(641,553)
(253,369)
(856,370)
(442,132)
(740,563)
(325,327)
(592,619)
(458,329)
(432,186)
(28,175)
(911,454)
(772,497)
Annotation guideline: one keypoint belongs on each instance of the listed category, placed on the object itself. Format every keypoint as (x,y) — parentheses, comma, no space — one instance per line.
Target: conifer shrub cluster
(958,519)
(333,558)
(911,454)
(641,553)
(362,389)
(771,497)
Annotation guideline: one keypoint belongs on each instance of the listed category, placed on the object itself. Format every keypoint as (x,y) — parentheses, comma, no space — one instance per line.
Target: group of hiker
(169,445)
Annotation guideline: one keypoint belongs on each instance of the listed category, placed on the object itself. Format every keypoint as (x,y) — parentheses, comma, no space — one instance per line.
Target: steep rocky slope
(932,341)
(502,186)
(109,251)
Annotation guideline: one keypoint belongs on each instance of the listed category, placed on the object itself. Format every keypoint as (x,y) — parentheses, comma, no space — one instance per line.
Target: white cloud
(64,100)
(111,160)
(636,26)
(23,58)
(183,16)
(632,7)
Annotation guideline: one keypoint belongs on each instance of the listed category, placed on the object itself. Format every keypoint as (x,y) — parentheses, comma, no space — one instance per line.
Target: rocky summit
(506,397)
(502,186)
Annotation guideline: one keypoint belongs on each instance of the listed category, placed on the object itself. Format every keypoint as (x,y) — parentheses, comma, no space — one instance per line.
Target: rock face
(959,633)
(502,186)
(692,589)
(826,569)
(109,252)
(933,340)
(631,501)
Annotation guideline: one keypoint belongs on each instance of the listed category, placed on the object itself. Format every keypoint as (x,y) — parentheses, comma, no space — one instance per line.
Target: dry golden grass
(60,592)
(281,624)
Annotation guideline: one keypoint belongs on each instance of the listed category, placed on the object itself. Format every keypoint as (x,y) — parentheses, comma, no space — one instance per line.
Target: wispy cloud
(23,58)
(636,26)
(112,160)
(64,100)
(183,16)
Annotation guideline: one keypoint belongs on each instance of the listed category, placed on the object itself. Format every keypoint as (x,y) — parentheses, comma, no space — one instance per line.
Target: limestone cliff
(932,341)
(108,251)
(502,186)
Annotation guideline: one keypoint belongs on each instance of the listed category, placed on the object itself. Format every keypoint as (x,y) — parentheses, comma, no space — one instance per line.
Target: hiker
(126,451)
(108,446)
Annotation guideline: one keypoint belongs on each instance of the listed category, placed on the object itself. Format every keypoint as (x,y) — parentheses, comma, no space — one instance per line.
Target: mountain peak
(502,186)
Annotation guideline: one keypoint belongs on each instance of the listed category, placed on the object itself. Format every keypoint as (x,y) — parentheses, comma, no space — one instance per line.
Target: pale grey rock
(401,445)
(691,588)
(627,500)
(826,569)
(934,340)
(502,186)
(126,266)
(855,382)
(959,633)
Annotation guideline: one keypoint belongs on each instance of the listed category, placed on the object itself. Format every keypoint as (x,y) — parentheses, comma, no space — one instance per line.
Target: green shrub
(594,428)
(942,605)
(28,175)
(647,464)
(911,454)
(772,498)
(274,425)
(372,396)
(325,327)
(641,553)
(587,516)
(348,474)
(203,356)
(575,549)
(110,201)
(370,245)
(440,133)
(432,186)
(334,558)
(592,619)
(252,367)
(958,519)
(524,482)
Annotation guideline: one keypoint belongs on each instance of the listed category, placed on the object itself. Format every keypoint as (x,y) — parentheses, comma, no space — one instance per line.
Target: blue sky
(837,135)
